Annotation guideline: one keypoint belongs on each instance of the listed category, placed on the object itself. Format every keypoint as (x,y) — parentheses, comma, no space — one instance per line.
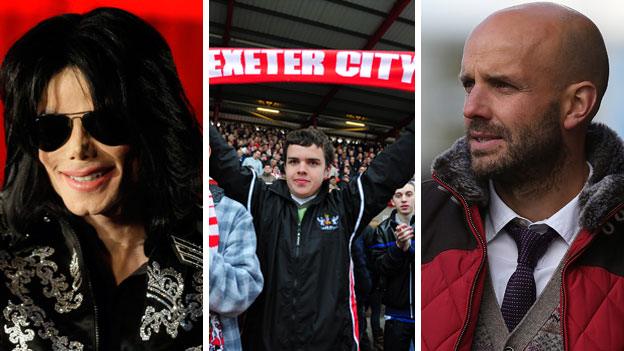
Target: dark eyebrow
(494,79)
(490,78)
(497,78)
(307,158)
(464,77)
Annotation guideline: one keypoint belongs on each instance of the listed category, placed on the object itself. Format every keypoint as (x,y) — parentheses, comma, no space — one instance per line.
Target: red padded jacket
(454,252)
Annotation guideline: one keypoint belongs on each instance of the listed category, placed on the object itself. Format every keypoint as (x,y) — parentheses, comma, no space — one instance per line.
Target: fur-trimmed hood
(602,193)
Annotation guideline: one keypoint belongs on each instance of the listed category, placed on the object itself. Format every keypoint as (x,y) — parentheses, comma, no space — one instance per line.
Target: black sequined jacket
(57,292)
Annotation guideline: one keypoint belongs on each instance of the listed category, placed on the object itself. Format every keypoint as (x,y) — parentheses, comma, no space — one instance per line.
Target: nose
(79,145)
(476,103)
(302,168)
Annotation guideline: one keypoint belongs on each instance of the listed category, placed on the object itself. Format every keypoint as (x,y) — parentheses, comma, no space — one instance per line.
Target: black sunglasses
(52,130)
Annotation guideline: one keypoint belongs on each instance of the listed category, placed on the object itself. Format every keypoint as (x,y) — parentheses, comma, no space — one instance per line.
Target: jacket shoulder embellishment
(165,287)
(616,220)
(19,271)
(188,252)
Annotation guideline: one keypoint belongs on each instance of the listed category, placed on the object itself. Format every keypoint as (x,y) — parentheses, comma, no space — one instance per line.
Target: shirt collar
(397,219)
(564,221)
(302,200)
(499,213)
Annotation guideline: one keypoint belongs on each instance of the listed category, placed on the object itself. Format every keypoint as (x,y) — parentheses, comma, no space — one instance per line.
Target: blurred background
(446,25)
(179,22)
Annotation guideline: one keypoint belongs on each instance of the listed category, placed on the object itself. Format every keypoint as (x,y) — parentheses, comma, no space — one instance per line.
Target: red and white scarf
(213,226)
(215,329)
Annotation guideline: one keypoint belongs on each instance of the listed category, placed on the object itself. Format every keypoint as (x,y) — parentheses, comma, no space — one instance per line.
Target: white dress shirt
(503,251)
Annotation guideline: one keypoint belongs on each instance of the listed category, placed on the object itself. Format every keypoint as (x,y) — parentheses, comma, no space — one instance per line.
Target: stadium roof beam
(228,23)
(225,43)
(396,10)
(369,11)
(385,25)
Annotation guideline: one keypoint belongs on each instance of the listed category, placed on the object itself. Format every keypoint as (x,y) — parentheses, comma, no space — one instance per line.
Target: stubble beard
(535,154)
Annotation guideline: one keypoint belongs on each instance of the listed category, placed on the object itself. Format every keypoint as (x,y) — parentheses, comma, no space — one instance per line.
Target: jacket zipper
(296,281)
(297,244)
(474,283)
(88,278)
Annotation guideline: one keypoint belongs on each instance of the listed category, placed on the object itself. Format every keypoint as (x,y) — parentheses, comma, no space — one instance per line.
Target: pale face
(403,200)
(511,109)
(305,170)
(85,173)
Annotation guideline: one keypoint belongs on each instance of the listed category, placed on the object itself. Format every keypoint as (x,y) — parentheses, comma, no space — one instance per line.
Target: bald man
(522,237)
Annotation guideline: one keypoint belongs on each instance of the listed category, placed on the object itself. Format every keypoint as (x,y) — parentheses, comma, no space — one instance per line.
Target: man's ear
(326,172)
(579,104)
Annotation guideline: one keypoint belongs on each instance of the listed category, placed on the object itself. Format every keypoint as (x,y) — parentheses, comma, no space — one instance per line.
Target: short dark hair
(411,182)
(308,137)
(129,69)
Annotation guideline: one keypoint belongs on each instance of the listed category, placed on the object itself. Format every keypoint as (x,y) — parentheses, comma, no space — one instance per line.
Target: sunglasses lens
(52,131)
(107,128)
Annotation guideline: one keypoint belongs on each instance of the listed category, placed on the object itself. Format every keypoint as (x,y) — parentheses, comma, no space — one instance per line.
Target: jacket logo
(328,223)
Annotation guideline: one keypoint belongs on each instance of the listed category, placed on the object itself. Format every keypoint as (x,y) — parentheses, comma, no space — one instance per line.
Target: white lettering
(383,72)
(367,65)
(342,59)
(409,67)
(232,62)
(251,62)
(271,55)
(312,62)
(213,64)
(292,62)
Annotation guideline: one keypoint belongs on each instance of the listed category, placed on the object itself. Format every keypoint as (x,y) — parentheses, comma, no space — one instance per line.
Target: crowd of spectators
(261,147)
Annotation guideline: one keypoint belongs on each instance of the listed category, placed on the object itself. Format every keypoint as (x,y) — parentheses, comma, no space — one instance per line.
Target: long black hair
(129,69)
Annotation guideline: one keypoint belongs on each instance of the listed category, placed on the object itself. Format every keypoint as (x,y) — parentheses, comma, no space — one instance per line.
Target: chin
(83,211)
(89,207)
(483,164)
(301,194)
